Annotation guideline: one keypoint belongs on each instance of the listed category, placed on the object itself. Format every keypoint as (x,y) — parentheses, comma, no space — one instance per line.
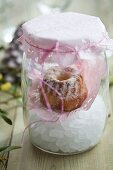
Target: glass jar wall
(65,114)
(65,81)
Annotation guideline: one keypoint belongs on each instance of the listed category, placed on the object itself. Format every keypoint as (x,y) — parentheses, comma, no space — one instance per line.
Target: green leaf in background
(6,119)
(3,112)
(8,148)
(2,48)
(3,148)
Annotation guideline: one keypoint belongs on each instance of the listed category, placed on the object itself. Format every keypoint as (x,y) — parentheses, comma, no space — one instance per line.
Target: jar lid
(74,29)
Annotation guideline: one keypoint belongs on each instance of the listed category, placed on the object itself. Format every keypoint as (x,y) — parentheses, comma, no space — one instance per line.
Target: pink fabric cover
(75,30)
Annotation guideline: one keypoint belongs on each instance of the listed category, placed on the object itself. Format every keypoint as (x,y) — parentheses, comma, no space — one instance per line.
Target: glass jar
(65,91)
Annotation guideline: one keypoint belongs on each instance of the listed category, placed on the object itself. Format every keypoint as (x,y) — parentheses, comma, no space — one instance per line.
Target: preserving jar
(65,81)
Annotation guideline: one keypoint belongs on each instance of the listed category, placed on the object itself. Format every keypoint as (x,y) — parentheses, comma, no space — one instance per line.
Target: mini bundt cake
(63,84)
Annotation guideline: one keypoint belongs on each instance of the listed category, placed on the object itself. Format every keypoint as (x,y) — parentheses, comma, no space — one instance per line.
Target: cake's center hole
(63,76)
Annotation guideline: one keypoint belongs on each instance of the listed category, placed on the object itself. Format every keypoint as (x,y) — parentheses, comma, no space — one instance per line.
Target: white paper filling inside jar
(78,132)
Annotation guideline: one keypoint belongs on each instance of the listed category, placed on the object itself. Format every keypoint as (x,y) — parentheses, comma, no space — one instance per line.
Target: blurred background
(14,12)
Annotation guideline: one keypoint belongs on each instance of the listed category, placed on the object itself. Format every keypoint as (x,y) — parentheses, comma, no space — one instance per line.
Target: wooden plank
(111,97)
(14,161)
(27,158)
(5,129)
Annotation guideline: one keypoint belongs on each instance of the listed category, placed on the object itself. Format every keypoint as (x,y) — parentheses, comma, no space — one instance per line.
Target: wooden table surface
(30,158)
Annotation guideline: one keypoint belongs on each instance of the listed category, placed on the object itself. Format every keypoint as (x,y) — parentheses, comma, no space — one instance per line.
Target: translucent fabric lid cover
(77,30)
